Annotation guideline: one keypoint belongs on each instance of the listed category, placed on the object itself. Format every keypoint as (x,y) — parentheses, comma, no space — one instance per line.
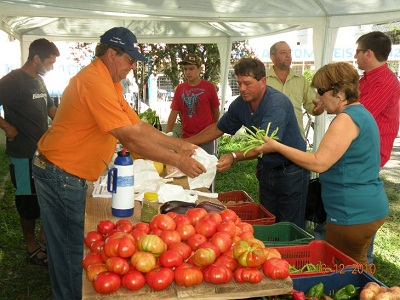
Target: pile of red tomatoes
(183,248)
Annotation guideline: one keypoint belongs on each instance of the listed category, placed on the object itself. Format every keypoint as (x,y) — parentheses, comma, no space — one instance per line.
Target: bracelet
(234,157)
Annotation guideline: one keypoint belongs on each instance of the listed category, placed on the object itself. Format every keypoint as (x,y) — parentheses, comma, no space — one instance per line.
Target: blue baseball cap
(123,38)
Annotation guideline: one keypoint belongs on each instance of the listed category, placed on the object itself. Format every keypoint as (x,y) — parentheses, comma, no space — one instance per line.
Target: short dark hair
(250,66)
(43,48)
(377,42)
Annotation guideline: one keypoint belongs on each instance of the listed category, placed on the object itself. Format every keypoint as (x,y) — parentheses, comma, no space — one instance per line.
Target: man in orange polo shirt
(92,116)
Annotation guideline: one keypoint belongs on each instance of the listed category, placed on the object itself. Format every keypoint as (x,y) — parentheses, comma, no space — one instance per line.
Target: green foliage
(81,53)
(165,58)
(242,175)
(308,74)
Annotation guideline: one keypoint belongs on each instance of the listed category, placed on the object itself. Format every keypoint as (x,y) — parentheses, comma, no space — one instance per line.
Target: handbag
(315,211)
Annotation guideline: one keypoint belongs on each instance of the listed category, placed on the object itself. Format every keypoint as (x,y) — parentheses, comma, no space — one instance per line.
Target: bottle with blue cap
(120,183)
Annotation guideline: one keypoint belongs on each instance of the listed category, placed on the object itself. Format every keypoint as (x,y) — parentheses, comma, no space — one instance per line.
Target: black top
(25,101)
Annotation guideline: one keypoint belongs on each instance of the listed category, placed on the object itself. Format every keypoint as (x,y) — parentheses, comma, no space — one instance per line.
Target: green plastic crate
(282,234)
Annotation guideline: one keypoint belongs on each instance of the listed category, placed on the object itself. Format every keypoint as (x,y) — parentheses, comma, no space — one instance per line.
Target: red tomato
(105,226)
(137,234)
(239,231)
(228,261)
(110,233)
(216,217)
(227,226)
(118,265)
(91,258)
(181,219)
(96,246)
(195,240)
(94,269)
(212,246)
(246,227)
(182,248)
(276,268)
(217,274)
(249,253)
(185,231)
(143,261)
(171,259)
(251,275)
(159,279)
(271,253)
(106,282)
(170,237)
(163,222)
(103,255)
(206,227)
(120,244)
(124,225)
(172,214)
(156,231)
(204,257)
(253,241)
(152,243)
(143,226)
(195,214)
(188,275)
(133,280)
(91,237)
(228,214)
(246,235)
(222,240)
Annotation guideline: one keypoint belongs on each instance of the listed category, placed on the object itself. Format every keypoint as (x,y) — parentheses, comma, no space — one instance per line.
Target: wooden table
(100,209)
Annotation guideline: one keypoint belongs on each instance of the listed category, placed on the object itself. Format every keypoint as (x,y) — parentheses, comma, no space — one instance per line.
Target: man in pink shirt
(379,92)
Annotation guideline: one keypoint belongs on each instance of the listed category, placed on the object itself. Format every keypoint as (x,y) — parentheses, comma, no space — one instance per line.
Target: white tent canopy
(192,21)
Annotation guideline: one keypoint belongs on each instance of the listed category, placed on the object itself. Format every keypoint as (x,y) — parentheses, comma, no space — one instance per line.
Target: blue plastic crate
(334,281)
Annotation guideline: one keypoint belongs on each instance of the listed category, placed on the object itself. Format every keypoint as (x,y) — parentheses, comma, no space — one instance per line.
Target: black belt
(282,166)
(44,159)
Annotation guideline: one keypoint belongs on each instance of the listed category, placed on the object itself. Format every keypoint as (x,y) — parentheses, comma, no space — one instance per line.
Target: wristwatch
(234,157)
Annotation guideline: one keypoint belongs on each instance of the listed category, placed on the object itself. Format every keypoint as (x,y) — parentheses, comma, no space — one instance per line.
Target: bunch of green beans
(254,138)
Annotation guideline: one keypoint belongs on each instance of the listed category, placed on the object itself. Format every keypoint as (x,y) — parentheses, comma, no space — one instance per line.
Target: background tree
(165,58)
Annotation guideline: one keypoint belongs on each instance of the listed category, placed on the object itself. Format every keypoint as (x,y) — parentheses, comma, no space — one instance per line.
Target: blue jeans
(370,253)
(283,192)
(62,198)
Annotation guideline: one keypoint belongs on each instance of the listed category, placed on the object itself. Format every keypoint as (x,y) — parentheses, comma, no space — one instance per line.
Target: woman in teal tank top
(348,161)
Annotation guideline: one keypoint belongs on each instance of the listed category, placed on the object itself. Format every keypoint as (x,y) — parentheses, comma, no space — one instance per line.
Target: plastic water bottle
(120,183)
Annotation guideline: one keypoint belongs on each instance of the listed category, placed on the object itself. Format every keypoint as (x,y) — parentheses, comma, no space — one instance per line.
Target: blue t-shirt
(275,108)
(352,191)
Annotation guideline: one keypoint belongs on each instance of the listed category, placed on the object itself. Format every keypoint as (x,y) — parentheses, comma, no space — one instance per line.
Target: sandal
(31,257)
(42,246)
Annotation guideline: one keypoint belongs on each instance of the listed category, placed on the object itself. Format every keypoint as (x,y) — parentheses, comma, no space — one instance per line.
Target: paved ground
(391,171)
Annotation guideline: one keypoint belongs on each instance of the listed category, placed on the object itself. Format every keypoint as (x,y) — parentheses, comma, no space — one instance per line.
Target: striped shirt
(380,94)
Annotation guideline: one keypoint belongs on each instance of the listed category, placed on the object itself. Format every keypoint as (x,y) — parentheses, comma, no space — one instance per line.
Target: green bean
(254,138)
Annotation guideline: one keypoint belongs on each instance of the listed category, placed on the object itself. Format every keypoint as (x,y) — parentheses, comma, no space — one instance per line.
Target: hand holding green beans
(254,138)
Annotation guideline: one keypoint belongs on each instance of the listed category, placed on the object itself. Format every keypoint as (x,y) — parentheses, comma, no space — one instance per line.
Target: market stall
(100,209)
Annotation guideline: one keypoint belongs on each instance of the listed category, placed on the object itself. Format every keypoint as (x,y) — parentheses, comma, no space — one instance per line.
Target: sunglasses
(322,91)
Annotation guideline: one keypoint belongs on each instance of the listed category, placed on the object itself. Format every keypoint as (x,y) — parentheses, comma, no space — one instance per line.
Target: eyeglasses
(322,91)
(129,59)
(361,50)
